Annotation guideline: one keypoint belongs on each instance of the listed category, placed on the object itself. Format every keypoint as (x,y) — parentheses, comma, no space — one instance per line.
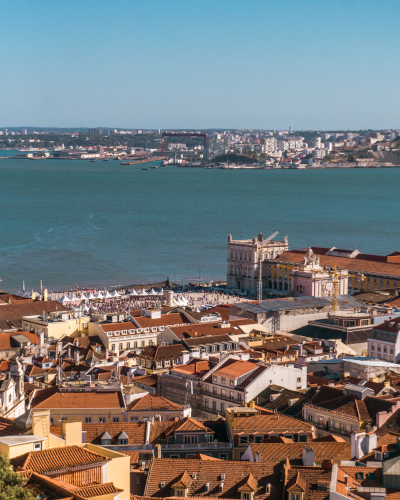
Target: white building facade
(243,260)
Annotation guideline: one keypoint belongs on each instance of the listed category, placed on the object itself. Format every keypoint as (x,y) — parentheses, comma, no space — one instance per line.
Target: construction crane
(333,273)
(260,247)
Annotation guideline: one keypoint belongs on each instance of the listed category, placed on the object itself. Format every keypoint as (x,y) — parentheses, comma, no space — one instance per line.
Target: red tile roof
(58,459)
(153,403)
(54,398)
(232,474)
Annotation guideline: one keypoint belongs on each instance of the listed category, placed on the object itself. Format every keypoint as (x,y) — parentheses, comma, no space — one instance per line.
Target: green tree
(168,284)
(11,483)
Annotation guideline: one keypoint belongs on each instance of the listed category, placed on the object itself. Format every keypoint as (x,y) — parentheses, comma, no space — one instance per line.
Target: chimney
(258,457)
(252,404)
(157,451)
(327,464)
(107,354)
(69,351)
(362,443)
(129,378)
(308,456)
(58,349)
(76,357)
(41,339)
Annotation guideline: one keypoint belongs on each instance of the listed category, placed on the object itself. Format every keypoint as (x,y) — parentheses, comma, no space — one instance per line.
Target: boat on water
(105,159)
(153,167)
(145,169)
(93,161)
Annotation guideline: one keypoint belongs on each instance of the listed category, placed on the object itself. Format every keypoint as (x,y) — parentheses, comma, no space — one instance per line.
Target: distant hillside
(388,156)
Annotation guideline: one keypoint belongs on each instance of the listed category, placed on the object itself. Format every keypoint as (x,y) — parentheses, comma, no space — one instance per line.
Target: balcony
(196,446)
(223,397)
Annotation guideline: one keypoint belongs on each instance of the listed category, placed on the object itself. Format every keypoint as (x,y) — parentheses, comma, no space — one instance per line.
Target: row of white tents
(107,295)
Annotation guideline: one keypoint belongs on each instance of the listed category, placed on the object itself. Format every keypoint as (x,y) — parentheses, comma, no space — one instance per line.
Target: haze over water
(78,222)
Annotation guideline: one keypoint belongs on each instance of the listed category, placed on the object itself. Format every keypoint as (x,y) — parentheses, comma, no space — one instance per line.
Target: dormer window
(296,496)
(378,456)
(180,492)
(221,487)
(207,487)
(105,439)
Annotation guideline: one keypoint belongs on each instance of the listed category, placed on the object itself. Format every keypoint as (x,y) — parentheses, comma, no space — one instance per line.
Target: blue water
(78,222)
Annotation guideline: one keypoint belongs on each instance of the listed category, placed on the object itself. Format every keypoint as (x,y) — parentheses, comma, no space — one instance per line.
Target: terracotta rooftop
(136,431)
(153,403)
(270,422)
(58,459)
(164,473)
(235,368)
(278,452)
(48,488)
(54,398)
(162,352)
(11,314)
(359,265)
(210,329)
(165,320)
(8,342)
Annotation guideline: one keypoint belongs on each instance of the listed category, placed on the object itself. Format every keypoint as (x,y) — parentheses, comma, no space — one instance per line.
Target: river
(77,222)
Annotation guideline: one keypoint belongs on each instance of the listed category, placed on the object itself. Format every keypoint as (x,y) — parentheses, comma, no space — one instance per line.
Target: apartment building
(384,341)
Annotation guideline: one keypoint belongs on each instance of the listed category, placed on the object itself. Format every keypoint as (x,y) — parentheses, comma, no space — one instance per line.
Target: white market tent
(161,292)
(99,296)
(108,295)
(91,296)
(83,297)
(65,299)
(115,294)
(133,293)
(74,297)
(143,293)
(153,292)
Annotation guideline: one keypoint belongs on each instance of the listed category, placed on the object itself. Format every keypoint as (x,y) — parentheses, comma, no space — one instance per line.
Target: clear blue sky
(200,63)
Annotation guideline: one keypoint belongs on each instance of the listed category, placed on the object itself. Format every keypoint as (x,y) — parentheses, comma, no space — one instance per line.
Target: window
(223,456)
(223,392)
(128,345)
(298,379)
(214,378)
(223,381)
(258,439)
(372,346)
(122,441)
(232,382)
(102,420)
(115,419)
(244,440)
(342,426)
(310,418)
(190,439)
(206,403)
(159,364)
(222,407)
(37,446)
(321,421)
(303,438)
(135,345)
(121,346)
(143,344)
(113,347)
(295,496)
(88,420)
(214,405)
